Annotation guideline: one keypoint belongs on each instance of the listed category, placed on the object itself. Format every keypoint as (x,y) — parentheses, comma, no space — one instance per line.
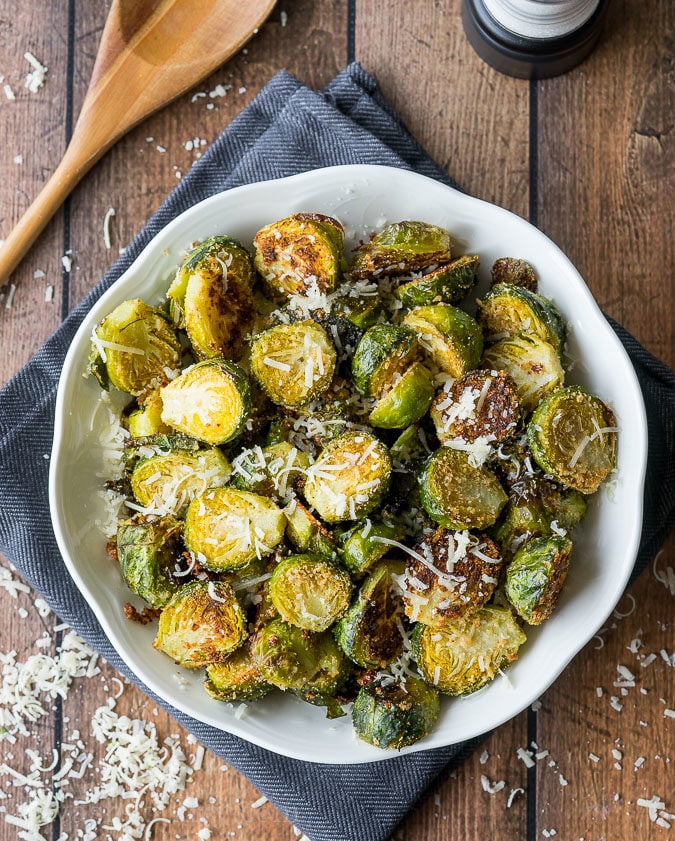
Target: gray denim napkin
(287,129)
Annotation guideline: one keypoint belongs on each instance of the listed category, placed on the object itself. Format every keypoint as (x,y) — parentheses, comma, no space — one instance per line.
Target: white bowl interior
(364,198)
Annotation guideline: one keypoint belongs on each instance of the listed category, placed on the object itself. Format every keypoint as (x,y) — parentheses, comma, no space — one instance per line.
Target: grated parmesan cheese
(110,212)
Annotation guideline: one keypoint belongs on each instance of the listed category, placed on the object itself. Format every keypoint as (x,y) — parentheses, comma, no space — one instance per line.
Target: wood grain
(603,154)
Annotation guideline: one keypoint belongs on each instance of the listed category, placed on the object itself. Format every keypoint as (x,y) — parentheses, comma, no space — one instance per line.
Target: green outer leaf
(145,551)
(384,350)
(407,401)
(535,577)
(360,553)
(447,284)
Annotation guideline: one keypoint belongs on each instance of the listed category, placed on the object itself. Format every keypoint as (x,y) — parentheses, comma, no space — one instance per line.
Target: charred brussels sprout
(212,297)
(146,552)
(482,404)
(457,495)
(508,310)
(135,348)
(452,576)
(170,482)
(451,337)
(572,435)
(306,533)
(535,577)
(349,478)
(360,311)
(210,401)
(270,471)
(466,654)
(515,272)
(407,400)
(533,364)
(201,624)
(445,285)
(310,591)
(147,419)
(229,528)
(365,545)
(393,716)
(237,678)
(293,363)
(368,633)
(300,255)
(402,248)
(384,351)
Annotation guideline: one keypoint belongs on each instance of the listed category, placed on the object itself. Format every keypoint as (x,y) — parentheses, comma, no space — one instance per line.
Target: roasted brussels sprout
(349,478)
(507,310)
(535,577)
(407,400)
(209,401)
(306,533)
(368,633)
(457,495)
(533,363)
(402,248)
(389,715)
(572,435)
(310,591)
(293,363)
(445,285)
(147,419)
(201,624)
(514,271)
(300,255)
(270,471)
(384,351)
(409,449)
(237,678)
(466,654)
(228,528)
(452,576)
(170,482)
(482,404)
(452,337)
(212,297)
(135,348)
(364,545)
(360,311)
(146,550)
(309,665)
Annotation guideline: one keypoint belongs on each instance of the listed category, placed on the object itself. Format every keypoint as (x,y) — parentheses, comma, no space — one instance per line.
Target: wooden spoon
(151,51)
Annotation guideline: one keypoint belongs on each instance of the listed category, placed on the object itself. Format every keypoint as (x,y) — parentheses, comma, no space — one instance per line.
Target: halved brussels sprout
(201,624)
(237,678)
(507,310)
(309,665)
(514,271)
(457,495)
(533,363)
(407,400)
(452,337)
(363,546)
(306,533)
(466,654)
(445,285)
(535,577)
(170,482)
(572,435)
(310,591)
(384,351)
(349,478)
(360,312)
(146,551)
(270,471)
(368,633)
(401,248)
(388,715)
(408,450)
(300,255)
(482,404)
(135,348)
(229,528)
(459,575)
(210,401)
(293,363)
(147,419)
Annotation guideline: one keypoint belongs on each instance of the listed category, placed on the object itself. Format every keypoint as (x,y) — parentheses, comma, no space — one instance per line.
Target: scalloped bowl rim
(364,197)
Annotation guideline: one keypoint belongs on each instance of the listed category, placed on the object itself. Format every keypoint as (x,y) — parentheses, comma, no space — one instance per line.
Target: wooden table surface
(588,157)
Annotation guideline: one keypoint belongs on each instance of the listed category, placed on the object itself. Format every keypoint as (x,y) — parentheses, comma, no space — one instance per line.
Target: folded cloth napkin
(287,129)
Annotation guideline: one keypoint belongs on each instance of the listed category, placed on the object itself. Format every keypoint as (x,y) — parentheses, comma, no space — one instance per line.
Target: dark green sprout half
(535,577)
(389,715)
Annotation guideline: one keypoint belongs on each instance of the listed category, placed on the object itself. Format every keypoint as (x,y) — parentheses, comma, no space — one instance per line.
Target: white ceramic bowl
(364,198)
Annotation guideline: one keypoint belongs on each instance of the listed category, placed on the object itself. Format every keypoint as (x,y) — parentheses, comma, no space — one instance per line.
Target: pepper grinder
(533,39)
